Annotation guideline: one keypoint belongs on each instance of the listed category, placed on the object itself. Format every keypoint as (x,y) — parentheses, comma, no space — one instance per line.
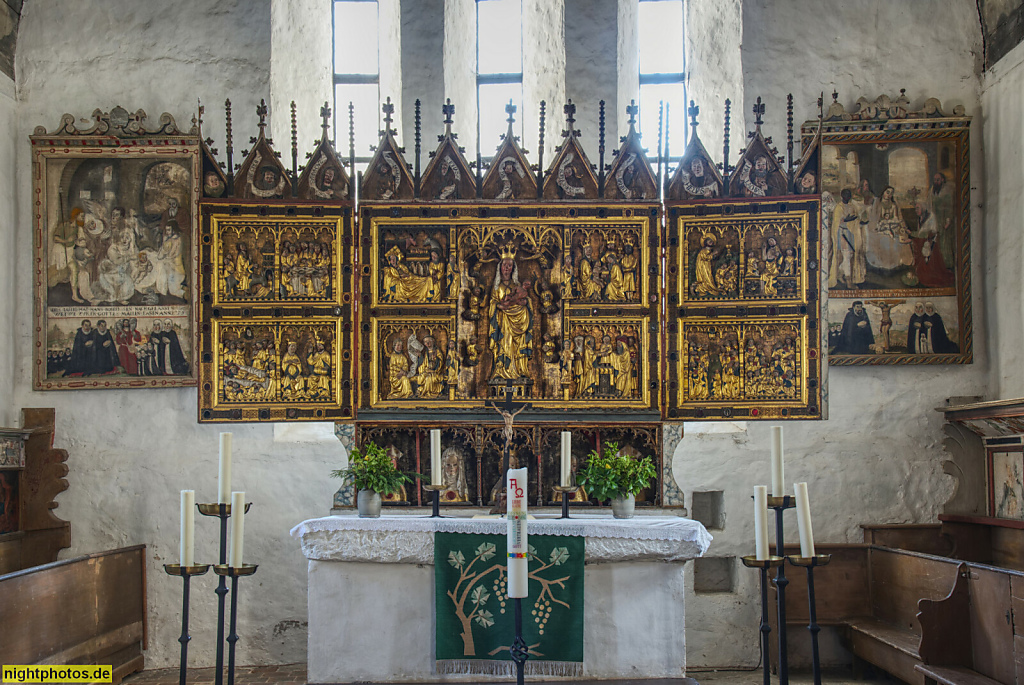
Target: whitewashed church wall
(1003,104)
(459,66)
(423,76)
(132,451)
(714,68)
(301,69)
(543,75)
(9,416)
(591,66)
(878,457)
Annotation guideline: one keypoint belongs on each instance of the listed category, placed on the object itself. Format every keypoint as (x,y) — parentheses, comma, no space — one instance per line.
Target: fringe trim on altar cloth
(507,669)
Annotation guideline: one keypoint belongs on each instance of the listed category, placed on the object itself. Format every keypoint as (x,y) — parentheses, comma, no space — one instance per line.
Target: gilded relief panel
(493,289)
(271,364)
(743,258)
(283,260)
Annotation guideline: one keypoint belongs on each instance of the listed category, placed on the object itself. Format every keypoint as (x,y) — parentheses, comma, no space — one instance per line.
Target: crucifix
(508,411)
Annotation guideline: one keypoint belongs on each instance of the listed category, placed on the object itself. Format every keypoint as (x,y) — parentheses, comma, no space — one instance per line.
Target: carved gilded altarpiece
(277,259)
(743,296)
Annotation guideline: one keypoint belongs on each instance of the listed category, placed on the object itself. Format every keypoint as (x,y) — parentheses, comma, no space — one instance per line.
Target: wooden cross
(261,112)
(570,120)
(325,114)
(758,111)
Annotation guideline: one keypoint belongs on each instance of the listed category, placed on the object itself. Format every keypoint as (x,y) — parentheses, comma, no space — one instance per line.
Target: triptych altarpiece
(570,288)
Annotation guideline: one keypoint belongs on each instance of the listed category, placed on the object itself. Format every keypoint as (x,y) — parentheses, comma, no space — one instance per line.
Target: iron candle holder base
(780,504)
(763,565)
(567,492)
(810,563)
(221,510)
(234,573)
(435,500)
(185,573)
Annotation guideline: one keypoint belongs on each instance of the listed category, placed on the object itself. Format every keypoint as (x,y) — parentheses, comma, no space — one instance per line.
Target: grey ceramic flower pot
(623,507)
(368,503)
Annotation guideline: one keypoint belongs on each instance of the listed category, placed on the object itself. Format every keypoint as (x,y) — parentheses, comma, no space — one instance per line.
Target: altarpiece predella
(461,285)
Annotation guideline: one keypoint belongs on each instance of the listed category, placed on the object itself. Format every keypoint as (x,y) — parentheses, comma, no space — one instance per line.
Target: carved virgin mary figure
(511,320)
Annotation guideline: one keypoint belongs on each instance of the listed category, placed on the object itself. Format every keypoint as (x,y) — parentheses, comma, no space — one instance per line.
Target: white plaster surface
(633,622)
(544,75)
(9,415)
(591,62)
(459,65)
(423,76)
(301,69)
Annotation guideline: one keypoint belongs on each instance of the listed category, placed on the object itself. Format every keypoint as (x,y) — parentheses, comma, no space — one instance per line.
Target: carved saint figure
(590,285)
(320,362)
(399,385)
(293,383)
(429,380)
(511,320)
(614,291)
(703,273)
(629,263)
(400,284)
(696,183)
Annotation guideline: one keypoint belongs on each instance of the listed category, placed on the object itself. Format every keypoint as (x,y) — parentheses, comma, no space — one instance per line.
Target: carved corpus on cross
(508,411)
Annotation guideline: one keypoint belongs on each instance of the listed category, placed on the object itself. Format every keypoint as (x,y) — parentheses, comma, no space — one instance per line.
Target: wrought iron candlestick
(519,650)
(567,492)
(224,571)
(435,500)
(780,504)
(764,565)
(809,563)
(223,512)
(186,573)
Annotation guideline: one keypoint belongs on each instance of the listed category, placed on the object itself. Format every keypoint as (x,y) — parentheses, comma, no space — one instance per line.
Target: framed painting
(115,253)
(896,229)
(1006,483)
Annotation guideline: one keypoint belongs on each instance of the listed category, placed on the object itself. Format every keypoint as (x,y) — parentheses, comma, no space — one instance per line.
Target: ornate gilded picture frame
(115,253)
(896,229)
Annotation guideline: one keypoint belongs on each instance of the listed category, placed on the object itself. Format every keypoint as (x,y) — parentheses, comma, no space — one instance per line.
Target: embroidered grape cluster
(500,589)
(541,613)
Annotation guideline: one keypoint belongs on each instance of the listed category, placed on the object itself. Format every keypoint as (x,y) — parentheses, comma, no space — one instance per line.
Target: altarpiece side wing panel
(277,339)
(743,310)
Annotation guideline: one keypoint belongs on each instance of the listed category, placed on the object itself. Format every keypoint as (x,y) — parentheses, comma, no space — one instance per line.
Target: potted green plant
(373,474)
(616,477)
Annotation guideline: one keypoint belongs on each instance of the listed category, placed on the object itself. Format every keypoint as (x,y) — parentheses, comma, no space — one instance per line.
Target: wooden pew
(88,610)
(924,619)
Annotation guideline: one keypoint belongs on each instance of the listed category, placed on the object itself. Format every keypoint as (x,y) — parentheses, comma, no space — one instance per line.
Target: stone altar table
(371,593)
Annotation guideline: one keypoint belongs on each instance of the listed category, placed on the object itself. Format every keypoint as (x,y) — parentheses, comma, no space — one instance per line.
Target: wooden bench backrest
(899,579)
(991,623)
(75,611)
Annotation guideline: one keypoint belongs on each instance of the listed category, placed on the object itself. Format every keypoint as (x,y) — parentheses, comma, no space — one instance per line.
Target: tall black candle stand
(186,573)
(223,512)
(780,504)
(224,571)
(567,492)
(435,500)
(809,563)
(764,565)
(519,651)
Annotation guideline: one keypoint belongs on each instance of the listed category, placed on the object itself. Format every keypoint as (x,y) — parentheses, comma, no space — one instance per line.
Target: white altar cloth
(371,593)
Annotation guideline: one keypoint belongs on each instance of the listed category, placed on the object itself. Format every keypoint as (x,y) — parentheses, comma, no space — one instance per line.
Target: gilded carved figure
(511,320)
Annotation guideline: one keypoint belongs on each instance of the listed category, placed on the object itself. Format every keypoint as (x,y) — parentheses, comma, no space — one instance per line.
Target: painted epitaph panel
(896,227)
(743,310)
(115,253)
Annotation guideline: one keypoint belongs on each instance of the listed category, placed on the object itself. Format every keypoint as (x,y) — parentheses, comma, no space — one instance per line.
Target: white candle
(566,458)
(803,520)
(435,456)
(187,546)
(237,528)
(778,481)
(518,562)
(224,475)
(761,522)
